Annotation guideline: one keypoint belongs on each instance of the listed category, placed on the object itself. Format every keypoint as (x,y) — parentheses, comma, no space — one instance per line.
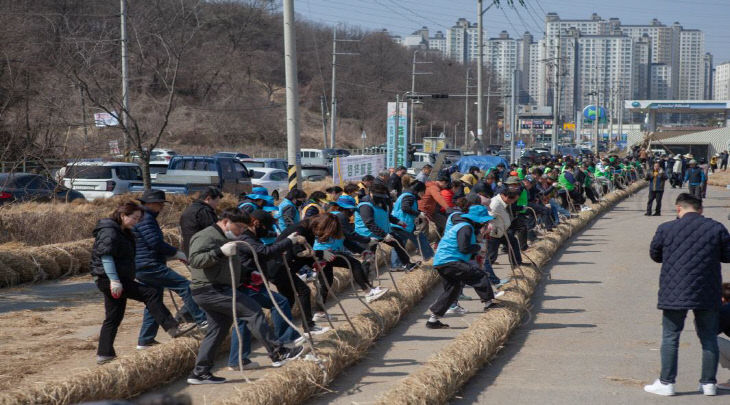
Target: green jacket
(208,265)
(522,201)
(565,183)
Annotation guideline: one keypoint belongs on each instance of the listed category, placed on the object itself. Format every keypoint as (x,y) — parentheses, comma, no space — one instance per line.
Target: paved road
(595,333)
(593,338)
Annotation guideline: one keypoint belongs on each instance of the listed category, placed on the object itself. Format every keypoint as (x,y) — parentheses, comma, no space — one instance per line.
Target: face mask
(230,235)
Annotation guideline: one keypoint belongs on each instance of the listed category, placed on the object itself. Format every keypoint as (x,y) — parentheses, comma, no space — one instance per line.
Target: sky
(402,17)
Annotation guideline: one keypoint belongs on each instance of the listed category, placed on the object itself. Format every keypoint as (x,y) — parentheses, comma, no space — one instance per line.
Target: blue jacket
(152,250)
(695,176)
(690,250)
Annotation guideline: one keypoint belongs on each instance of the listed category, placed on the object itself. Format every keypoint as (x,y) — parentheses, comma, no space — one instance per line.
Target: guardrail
(24,166)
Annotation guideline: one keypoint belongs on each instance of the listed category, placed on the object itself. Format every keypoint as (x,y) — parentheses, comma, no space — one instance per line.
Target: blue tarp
(484,162)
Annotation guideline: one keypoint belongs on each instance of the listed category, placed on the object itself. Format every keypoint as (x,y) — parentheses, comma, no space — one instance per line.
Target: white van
(101,179)
(321,157)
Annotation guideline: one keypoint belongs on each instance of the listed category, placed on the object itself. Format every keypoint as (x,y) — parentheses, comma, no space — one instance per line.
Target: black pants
(217,302)
(493,249)
(655,195)
(301,289)
(453,276)
(402,240)
(696,190)
(114,310)
(591,194)
(358,274)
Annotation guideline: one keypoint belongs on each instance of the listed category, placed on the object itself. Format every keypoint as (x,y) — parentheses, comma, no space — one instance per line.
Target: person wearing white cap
(695,178)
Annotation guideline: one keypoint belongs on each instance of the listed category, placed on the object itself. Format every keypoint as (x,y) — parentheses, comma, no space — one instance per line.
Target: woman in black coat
(112,266)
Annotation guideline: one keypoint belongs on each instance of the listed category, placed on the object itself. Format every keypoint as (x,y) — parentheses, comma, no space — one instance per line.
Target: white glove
(422,215)
(389,238)
(116,288)
(373,242)
(328,256)
(297,239)
(229,249)
(180,255)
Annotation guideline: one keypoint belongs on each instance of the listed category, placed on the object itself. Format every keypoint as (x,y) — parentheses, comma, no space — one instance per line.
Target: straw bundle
(129,376)
(444,373)
(23,264)
(338,350)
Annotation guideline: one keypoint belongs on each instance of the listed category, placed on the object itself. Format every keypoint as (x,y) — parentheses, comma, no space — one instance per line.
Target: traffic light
(439,96)
(414,97)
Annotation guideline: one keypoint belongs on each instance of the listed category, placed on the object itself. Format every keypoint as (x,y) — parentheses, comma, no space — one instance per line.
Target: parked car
(101,179)
(157,155)
(421,159)
(276,181)
(529,157)
(191,174)
(505,154)
(321,157)
(451,156)
(159,167)
(24,187)
(569,151)
(315,173)
(273,163)
(233,155)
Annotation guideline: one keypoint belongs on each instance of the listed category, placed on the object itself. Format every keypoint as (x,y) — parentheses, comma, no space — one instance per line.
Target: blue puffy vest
(333,245)
(280,221)
(409,220)
(382,220)
(448,251)
(450,221)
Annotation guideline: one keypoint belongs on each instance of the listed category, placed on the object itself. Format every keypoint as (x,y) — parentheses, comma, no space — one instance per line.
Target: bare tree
(161,32)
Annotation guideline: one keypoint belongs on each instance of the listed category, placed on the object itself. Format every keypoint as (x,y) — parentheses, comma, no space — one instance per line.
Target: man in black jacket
(199,215)
(690,250)
(395,184)
(722,342)
(656,179)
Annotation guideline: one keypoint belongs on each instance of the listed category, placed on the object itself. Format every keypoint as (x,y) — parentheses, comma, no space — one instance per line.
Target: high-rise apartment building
(462,41)
(709,76)
(438,42)
(721,79)
(660,86)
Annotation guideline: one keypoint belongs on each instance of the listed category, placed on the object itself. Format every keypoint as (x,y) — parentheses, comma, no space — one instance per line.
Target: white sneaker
(375,293)
(724,386)
(318,330)
(320,316)
(708,389)
(499,294)
(660,388)
(456,309)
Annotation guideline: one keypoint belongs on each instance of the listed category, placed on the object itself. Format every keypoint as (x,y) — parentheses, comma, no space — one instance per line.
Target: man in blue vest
(453,262)
(406,211)
(695,178)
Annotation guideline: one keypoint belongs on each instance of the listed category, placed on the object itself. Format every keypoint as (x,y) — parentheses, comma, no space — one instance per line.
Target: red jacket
(448,196)
(431,198)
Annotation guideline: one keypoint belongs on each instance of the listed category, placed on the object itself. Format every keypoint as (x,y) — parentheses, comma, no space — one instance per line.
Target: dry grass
(127,377)
(721,179)
(444,373)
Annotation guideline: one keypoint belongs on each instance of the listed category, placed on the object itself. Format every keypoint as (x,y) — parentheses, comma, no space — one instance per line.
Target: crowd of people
(261,255)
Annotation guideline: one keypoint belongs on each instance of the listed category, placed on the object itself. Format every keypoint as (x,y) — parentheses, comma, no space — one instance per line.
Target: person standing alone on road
(695,178)
(690,250)
(656,179)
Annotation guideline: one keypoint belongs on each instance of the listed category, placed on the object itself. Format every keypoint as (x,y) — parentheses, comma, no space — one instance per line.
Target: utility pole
(292,96)
(480,68)
(466,113)
(323,106)
(489,95)
(620,114)
(411,131)
(125,75)
(556,99)
(333,110)
(598,114)
(514,116)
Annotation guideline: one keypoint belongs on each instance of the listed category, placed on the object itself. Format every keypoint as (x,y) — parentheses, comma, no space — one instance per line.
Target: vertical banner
(402,151)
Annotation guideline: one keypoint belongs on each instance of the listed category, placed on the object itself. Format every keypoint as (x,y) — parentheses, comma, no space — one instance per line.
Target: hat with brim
(260,190)
(268,199)
(153,196)
(478,214)
(346,202)
(512,180)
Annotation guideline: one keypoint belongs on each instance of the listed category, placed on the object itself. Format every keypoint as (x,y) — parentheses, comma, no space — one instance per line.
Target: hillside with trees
(204,76)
